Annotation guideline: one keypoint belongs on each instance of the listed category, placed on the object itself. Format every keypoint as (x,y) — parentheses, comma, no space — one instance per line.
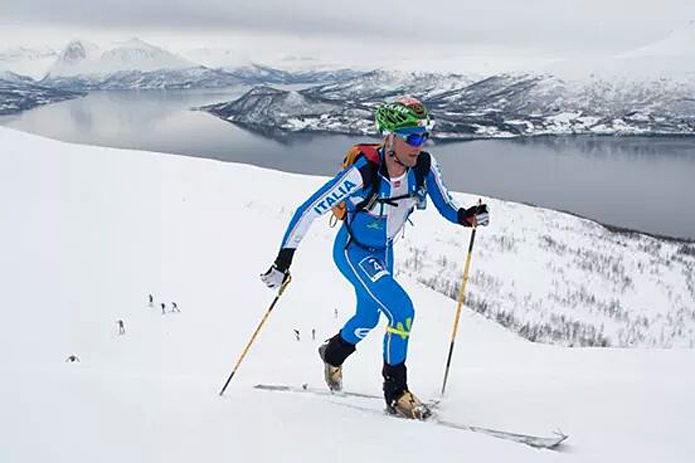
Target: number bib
(373,267)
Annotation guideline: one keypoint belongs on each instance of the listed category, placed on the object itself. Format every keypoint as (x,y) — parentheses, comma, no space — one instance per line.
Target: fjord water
(641,183)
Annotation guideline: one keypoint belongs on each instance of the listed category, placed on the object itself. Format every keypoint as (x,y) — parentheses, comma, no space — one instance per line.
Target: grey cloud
(542,24)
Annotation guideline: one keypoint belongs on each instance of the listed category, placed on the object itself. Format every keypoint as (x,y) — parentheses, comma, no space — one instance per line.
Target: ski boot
(399,400)
(409,406)
(333,353)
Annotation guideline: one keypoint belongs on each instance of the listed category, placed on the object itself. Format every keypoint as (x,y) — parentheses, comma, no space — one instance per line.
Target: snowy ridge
(78,57)
(136,64)
(276,112)
(82,58)
(125,223)
(381,84)
(136,54)
(257,73)
(340,107)
(543,104)
(505,105)
(27,53)
(33,62)
(196,77)
(19,93)
(649,91)
(131,65)
(14,77)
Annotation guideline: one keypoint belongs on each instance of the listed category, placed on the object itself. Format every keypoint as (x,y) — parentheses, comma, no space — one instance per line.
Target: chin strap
(392,152)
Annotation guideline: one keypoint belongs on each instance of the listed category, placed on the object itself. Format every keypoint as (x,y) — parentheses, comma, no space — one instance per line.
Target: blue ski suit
(363,248)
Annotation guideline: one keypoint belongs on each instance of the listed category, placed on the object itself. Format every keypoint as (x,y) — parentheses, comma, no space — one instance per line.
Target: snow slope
(88,232)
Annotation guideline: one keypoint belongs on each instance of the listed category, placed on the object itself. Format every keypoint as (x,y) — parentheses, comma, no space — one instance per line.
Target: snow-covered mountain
(650,90)
(27,53)
(83,58)
(14,77)
(216,57)
(124,224)
(340,107)
(380,84)
(136,54)
(138,65)
(78,57)
(188,78)
(289,69)
(131,65)
(508,105)
(19,93)
(32,62)
(540,104)
(274,112)
(261,74)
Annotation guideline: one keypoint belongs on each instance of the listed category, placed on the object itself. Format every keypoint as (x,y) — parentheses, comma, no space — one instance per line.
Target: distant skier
(164,308)
(72,359)
(151,301)
(121,327)
(335,313)
(296,335)
(374,196)
(175,308)
(313,334)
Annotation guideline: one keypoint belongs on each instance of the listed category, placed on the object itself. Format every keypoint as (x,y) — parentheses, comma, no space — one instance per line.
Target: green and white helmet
(402,113)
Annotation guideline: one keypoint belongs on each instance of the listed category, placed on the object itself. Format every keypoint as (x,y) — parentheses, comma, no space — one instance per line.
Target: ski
(306,389)
(539,442)
(549,443)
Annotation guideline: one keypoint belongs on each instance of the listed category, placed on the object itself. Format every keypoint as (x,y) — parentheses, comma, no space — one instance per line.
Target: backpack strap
(422,168)
(371,152)
(376,166)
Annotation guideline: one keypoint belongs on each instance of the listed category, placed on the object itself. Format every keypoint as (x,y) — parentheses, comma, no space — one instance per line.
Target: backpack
(371,152)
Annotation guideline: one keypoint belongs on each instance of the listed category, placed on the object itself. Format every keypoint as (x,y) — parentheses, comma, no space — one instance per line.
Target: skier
(72,359)
(164,307)
(121,327)
(378,199)
(313,334)
(174,308)
(151,300)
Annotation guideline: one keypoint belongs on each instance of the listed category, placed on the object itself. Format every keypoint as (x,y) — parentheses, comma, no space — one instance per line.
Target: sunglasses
(414,139)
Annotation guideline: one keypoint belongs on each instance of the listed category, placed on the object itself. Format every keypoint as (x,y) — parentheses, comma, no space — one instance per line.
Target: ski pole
(459,303)
(255,333)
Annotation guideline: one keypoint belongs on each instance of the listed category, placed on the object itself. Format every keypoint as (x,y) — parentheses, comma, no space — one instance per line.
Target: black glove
(280,270)
(474,216)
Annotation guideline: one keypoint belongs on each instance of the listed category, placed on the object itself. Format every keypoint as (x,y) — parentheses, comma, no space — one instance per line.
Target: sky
(350,31)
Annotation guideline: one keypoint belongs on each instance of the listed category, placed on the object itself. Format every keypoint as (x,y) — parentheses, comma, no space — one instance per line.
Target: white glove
(273,278)
(474,216)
